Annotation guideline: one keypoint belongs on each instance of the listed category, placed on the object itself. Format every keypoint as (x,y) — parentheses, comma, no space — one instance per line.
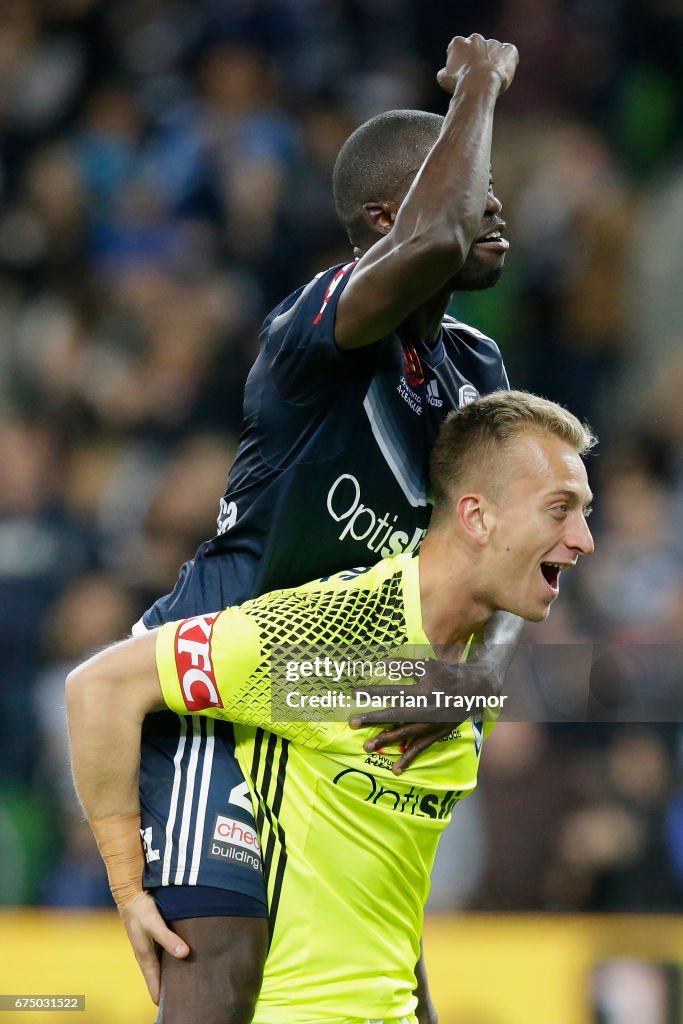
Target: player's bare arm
(427,240)
(107,699)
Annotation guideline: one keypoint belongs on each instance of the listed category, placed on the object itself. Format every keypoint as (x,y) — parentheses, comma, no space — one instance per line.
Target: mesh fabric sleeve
(220,666)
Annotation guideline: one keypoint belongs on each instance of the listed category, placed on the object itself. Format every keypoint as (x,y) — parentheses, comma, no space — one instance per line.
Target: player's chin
(481,269)
(534,610)
(540,613)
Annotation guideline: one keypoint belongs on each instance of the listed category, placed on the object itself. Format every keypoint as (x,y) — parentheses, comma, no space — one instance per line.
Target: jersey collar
(434,354)
(411,603)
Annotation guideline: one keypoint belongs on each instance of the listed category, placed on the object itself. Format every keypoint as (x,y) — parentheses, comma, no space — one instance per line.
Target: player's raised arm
(427,240)
(107,699)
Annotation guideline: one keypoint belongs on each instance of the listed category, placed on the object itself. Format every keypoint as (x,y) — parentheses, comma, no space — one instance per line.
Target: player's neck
(451,609)
(424,323)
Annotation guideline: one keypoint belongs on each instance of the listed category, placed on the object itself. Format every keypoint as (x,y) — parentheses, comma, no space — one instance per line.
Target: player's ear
(380,217)
(476,517)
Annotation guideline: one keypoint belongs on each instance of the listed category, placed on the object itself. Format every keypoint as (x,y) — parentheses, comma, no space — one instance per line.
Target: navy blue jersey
(331,469)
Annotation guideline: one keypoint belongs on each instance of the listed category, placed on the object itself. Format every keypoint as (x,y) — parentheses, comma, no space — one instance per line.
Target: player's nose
(580,539)
(493,203)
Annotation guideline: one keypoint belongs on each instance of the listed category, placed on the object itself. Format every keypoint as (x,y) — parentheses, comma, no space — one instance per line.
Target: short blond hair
(471,438)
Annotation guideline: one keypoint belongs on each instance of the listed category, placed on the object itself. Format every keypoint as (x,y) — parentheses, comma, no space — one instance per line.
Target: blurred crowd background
(164,181)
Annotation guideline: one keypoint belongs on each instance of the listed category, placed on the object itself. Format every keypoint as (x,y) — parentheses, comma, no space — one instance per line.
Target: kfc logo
(194,665)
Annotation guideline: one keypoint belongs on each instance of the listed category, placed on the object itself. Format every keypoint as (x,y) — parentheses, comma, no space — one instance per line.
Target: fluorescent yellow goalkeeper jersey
(347,846)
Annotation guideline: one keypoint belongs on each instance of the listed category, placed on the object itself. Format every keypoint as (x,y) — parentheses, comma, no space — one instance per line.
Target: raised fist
(474,53)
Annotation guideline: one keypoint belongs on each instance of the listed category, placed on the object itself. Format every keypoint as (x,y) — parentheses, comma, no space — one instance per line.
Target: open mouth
(551,574)
(494,241)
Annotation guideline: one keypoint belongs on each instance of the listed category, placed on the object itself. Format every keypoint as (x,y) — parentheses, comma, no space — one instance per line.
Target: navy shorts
(198,828)
(178,902)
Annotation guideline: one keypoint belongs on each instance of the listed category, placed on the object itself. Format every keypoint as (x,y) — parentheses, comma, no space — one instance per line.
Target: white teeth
(494,234)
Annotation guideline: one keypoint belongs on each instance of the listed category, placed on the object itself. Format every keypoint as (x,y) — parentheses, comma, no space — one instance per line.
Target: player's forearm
(444,208)
(105,745)
(435,226)
(104,728)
